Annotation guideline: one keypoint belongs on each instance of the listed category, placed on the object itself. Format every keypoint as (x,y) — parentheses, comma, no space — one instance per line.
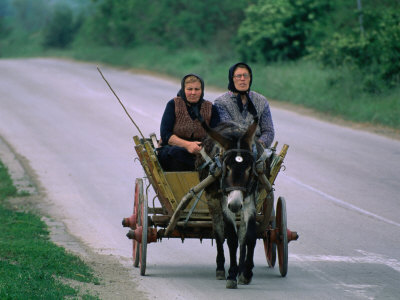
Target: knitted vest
(184,126)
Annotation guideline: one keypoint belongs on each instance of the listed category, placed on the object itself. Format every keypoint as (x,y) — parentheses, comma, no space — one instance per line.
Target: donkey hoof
(220,275)
(231,284)
(243,280)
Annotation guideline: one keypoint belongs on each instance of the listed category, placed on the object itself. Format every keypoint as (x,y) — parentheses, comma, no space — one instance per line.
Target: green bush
(30,15)
(61,29)
(375,54)
(278,30)
(169,23)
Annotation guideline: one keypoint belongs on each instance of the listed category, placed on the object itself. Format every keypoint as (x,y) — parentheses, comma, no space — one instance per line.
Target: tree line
(362,36)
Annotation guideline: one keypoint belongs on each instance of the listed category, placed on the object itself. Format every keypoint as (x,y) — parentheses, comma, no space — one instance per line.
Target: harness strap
(251,183)
(261,160)
(207,159)
(266,153)
(235,188)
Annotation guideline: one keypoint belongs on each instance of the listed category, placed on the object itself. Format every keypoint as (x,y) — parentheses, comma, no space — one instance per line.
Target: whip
(120,102)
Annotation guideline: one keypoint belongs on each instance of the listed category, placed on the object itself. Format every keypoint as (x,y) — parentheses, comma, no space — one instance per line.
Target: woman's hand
(193,147)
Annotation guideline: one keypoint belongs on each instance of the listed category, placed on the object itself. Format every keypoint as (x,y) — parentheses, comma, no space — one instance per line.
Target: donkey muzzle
(235,201)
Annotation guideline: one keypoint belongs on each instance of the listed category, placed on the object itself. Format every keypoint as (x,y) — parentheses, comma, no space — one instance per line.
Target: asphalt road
(341,185)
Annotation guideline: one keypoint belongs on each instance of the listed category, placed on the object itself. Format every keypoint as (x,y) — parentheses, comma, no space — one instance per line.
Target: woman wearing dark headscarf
(181,130)
(241,105)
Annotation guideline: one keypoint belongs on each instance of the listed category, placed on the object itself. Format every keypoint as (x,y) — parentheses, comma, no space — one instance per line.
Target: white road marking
(341,202)
(367,258)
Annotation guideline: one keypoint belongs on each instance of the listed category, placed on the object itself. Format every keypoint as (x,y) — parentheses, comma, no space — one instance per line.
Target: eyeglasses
(238,76)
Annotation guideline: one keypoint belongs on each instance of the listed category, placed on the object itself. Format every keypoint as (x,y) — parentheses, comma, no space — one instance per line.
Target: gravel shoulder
(116,280)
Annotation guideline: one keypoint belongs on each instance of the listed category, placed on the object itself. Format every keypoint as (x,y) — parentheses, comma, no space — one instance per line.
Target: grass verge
(333,92)
(31,266)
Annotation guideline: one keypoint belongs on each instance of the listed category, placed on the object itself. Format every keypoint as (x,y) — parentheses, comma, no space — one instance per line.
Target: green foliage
(61,29)
(7,189)
(374,54)
(279,30)
(3,11)
(30,15)
(113,23)
(180,36)
(335,92)
(171,23)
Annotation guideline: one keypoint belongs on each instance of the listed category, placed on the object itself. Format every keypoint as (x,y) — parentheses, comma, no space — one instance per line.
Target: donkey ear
(248,137)
(224,142)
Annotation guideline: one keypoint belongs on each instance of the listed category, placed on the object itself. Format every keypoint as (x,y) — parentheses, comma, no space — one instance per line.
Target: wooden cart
(149,223)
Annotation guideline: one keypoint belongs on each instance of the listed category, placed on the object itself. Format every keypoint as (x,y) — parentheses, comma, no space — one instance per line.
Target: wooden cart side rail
(275,166)
(163,188)
(277,163)
(155,174)
(143,161)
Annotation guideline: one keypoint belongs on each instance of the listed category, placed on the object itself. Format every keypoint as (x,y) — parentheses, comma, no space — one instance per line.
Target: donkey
(237,151)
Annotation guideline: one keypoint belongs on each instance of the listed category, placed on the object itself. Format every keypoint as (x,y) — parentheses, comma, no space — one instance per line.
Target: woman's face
(241,79)
(193,91)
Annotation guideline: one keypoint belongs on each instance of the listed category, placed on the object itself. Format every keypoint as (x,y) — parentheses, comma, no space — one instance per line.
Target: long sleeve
(266,127)
(167,122)
(215,119)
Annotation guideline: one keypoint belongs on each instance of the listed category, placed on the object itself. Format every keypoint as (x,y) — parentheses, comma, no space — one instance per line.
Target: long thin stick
(137,127)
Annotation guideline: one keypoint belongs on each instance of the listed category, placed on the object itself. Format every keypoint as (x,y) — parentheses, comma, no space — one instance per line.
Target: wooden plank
(155,174)
(181,183)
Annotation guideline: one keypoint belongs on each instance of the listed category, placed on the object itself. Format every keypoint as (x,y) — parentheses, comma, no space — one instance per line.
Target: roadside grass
(334,92)
(31,266)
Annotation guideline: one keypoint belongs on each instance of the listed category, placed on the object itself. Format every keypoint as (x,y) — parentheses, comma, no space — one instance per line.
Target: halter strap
(250,183)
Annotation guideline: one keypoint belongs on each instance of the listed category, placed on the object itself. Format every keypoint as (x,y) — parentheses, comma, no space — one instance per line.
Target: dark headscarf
(232,88)
(231,85)
(193,108)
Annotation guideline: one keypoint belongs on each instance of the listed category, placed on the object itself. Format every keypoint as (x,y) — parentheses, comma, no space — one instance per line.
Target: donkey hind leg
(214,207)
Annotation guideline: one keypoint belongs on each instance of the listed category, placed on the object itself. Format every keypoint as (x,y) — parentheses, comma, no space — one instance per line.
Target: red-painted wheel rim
(137,213)
(143,244)
(282,243)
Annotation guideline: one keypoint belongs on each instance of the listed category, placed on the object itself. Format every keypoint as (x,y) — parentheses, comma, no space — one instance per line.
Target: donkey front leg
(214,207)
(247,241)
(232,241)
(246,262)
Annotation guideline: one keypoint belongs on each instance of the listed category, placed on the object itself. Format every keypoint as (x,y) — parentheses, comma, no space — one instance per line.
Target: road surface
(341,185)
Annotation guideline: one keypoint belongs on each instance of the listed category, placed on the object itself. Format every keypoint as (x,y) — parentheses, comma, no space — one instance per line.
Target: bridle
(251,182)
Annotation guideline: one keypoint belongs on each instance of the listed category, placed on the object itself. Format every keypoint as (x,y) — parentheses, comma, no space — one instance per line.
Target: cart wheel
(269,246)
(137,212)
(282,243)
(143,245)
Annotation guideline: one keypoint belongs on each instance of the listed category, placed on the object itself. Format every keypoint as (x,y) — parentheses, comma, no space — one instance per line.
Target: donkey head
(238,162)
